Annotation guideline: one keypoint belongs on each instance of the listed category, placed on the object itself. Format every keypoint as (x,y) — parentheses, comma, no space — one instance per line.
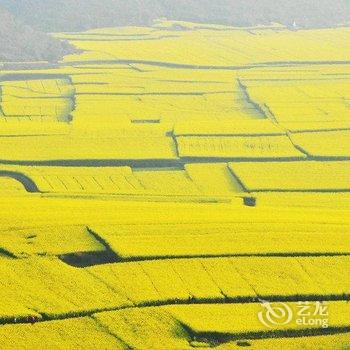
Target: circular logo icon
(276,314)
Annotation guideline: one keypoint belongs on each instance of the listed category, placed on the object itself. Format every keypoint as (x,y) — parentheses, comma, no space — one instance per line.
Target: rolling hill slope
(19,42)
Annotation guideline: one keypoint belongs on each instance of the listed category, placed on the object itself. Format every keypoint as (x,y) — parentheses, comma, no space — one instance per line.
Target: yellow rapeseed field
(178,189)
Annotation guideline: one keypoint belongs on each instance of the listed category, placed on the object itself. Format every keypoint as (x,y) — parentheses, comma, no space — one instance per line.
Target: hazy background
(23,22)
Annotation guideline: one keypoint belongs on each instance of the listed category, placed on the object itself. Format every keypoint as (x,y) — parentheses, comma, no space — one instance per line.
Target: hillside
(76,15)
(20,42)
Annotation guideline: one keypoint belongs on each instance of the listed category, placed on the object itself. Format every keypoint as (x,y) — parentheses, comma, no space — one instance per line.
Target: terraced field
(178,189)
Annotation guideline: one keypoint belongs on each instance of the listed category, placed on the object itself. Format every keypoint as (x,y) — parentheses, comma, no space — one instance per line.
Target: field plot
(325,144)
(61,148)
(216,46)
(48,241)
(243,127)
(38,100)
(14,127)
(293,176)
(180,240)
(140,80)
(307,126)
(264,147)
(70,180)
(214,178)
(334,200)
(166,183)
(38,88)
(232,319)
(218,279)
(149,98)
(288,101)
